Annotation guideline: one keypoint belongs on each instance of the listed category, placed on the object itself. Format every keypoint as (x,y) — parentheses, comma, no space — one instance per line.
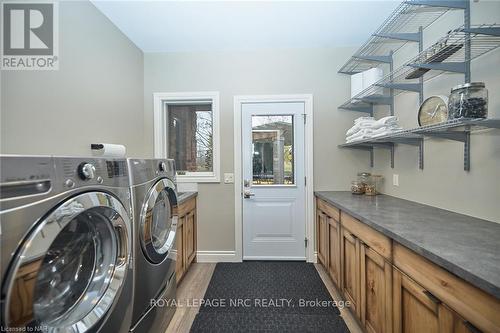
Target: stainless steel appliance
(66,241)
(154,205)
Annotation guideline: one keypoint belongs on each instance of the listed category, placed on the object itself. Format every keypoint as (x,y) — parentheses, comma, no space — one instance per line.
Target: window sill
(198,179)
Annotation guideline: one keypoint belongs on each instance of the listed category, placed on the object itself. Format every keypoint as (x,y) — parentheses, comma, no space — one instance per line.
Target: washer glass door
(159,221)
(70,270)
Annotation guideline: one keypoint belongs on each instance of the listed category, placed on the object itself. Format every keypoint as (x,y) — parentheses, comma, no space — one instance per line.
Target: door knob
(248,194)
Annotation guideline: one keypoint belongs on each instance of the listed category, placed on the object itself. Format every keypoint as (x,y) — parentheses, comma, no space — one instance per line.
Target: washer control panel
(86,171)
(76,172)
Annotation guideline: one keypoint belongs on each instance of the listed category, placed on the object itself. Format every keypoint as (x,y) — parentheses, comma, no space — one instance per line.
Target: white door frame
(307,99)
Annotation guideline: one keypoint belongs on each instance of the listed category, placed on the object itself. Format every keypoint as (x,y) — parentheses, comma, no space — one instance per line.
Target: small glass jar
(364,177)
(468,100)
(373,187)
(357,187)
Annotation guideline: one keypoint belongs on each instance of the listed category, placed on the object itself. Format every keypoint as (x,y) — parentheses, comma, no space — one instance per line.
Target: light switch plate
(395,179)
(228,178)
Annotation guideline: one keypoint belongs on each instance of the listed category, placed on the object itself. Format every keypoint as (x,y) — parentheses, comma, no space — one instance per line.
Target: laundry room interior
(250,166)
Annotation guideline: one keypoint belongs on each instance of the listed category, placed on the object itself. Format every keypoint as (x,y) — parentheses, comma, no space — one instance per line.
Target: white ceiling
(174,26)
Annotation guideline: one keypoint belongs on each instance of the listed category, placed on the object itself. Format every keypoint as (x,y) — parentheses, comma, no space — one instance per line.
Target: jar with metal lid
(468,100)
(364,177)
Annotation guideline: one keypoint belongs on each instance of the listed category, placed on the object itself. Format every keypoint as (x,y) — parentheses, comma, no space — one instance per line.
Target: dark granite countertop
(184,196)
(466,246)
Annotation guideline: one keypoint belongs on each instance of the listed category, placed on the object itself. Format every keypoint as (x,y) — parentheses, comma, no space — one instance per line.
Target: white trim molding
(216,256)
(160,130)
(307,99)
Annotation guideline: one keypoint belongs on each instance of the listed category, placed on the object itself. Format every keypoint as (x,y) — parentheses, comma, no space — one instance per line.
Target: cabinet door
(416,310)
(375,291)
(179,266)
(334,250)
(349,252)
(321,233)
(190,239)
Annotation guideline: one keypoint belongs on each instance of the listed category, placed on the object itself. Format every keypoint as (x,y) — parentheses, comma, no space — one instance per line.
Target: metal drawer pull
(471,327)
(432,297)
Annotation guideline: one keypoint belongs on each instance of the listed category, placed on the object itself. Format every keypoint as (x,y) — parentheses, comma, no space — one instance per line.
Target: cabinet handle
(471,327)
(432,297)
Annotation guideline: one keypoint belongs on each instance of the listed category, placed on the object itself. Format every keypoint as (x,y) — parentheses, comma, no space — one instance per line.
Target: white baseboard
(216,256)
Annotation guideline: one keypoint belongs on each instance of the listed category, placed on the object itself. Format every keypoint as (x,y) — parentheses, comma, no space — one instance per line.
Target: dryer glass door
(159,221)
(70,270)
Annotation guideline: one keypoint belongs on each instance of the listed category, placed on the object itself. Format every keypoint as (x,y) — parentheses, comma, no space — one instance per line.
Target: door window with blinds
(190,137)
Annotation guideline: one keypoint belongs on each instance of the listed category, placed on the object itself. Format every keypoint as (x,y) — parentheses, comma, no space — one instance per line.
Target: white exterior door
(274,218)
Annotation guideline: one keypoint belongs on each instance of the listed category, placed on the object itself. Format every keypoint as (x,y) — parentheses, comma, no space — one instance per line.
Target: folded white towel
(362,134)
(361,119)
(360,125)
(385,131)
(368,127)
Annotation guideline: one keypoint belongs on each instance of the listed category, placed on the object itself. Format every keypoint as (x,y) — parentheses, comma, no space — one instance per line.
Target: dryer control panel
(144,170)
(78,172)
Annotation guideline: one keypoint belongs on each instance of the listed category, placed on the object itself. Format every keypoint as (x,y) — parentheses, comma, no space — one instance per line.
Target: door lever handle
(248,194)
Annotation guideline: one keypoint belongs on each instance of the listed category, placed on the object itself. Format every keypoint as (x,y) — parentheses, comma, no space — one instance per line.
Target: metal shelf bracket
(416,142)
(386,145)
(455,67)
(384,59)
(456,136)
(410,37)
(415,87)
(385,100)
(365,148)
(493,31)
(364,108)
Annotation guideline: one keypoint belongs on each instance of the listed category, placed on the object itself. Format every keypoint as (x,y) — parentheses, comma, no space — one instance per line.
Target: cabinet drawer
(476,306)
(328,209)
(186,207)
(374,239)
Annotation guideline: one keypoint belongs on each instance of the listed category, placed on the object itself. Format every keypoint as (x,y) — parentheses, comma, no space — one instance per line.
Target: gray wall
(296,71)
(95,96)
(443,182)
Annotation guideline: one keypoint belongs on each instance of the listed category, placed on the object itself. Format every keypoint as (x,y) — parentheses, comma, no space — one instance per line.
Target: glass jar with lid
(468,100)
(373,186)
(364,177)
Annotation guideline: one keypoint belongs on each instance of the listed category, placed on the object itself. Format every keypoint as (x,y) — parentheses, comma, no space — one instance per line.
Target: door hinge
(305,181)
(305,117)
(306,241)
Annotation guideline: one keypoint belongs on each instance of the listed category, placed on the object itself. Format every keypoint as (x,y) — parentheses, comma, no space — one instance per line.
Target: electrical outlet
(395,179)
(228,178)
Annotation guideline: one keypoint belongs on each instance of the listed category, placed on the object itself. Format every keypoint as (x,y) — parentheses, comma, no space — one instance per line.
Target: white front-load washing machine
(66,244)
(154,205)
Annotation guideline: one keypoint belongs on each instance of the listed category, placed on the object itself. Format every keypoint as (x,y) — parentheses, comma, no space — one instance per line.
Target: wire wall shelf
(455,130)
(402,26)
(451,54)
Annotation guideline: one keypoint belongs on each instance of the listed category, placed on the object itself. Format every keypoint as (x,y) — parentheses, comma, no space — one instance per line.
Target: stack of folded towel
(368,127)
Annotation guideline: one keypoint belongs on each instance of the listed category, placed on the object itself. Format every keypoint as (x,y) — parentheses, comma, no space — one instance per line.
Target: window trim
(160,130)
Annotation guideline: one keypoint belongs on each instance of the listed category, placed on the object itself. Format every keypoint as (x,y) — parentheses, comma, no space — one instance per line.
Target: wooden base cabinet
(393,289)
(334,250)
(375,291)
(349,254)
(186,237)
(417,310)
(321,238)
